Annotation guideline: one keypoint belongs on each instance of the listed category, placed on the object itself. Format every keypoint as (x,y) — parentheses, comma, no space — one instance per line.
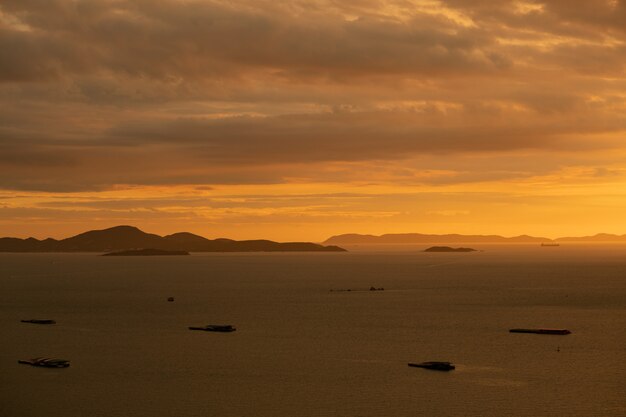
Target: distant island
(448,249)
(129,238)
(147,252)
(419,238)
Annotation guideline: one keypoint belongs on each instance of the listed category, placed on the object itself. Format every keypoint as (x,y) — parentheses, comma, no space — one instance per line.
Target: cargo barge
(541,331)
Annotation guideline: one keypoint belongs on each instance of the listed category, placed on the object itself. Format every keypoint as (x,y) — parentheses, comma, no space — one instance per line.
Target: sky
(303,119)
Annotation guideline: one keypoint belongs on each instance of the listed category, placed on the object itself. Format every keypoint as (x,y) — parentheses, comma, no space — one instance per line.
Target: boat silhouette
(46,362)
(541,331)
(215,328)
(39,321)
(434,365)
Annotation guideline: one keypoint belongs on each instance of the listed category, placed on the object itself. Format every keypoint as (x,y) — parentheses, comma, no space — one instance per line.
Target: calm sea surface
(304,350)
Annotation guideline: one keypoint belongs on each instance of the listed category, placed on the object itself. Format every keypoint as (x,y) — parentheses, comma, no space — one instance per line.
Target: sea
(312,339)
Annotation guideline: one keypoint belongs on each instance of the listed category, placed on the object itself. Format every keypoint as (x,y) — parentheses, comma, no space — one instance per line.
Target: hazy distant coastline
(121,238)
(419,238)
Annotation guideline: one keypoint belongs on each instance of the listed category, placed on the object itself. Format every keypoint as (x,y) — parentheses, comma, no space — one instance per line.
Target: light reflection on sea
(302,350)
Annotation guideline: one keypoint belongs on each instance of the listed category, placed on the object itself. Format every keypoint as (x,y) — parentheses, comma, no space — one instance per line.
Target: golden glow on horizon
(317,211)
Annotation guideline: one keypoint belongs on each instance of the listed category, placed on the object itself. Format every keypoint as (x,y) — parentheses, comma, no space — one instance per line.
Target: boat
(39,321)
(170,299)
(541,331)
(215,328)
(434,365)
(550,244)
(46,362)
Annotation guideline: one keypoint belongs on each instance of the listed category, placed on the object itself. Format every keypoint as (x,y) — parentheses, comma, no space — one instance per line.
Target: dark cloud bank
(103,92)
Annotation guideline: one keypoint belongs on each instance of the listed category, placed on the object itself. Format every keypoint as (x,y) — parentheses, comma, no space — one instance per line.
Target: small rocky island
(147,252)
(448,249)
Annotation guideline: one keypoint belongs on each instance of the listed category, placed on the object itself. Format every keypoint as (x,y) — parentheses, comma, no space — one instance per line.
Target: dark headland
(448,249)
(125,238)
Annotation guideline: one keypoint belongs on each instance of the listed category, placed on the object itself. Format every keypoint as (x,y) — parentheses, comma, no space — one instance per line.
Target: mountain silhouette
(600,237)
(418,238)
(128,238)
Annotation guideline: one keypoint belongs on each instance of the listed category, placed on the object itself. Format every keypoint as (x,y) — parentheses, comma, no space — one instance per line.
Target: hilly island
(419,238)
(121,238)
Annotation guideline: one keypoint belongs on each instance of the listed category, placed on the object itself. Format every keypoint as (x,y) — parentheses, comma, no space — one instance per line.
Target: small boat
(46,362)
(541,331)
(550,244)
(170,299)
(434,365)
(39,321)
(215,328)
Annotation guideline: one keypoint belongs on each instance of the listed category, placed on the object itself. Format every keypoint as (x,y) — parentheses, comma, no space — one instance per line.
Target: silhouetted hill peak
(419,238)
(114,238)
(600,237)
(130,238)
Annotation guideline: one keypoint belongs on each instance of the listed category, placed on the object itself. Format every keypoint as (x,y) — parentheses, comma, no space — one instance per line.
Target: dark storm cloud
(103,92)
(214,39)
(561,16)
(348,136)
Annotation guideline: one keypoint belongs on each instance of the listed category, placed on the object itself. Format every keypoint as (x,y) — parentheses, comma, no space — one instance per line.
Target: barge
(225,328)
(39,321)
(541,331)
(46,362)
(434,365)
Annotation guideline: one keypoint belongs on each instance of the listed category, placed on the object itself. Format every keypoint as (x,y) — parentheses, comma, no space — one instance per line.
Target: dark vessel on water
(541,331)
(39,321)
(434,365)
(215,328)
(46,362)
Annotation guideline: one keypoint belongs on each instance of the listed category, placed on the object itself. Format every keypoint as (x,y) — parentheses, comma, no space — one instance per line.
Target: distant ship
(434,365)
(39,321)
(541,331)
(46,362)
(550,244)
(215,328)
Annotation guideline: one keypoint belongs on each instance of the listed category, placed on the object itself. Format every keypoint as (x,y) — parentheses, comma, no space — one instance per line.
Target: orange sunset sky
(302,119)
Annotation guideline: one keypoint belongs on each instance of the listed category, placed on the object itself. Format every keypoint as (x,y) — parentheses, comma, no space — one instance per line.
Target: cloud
(200,39)
(176,43)
(98,93)
(449,213)
(359,135)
